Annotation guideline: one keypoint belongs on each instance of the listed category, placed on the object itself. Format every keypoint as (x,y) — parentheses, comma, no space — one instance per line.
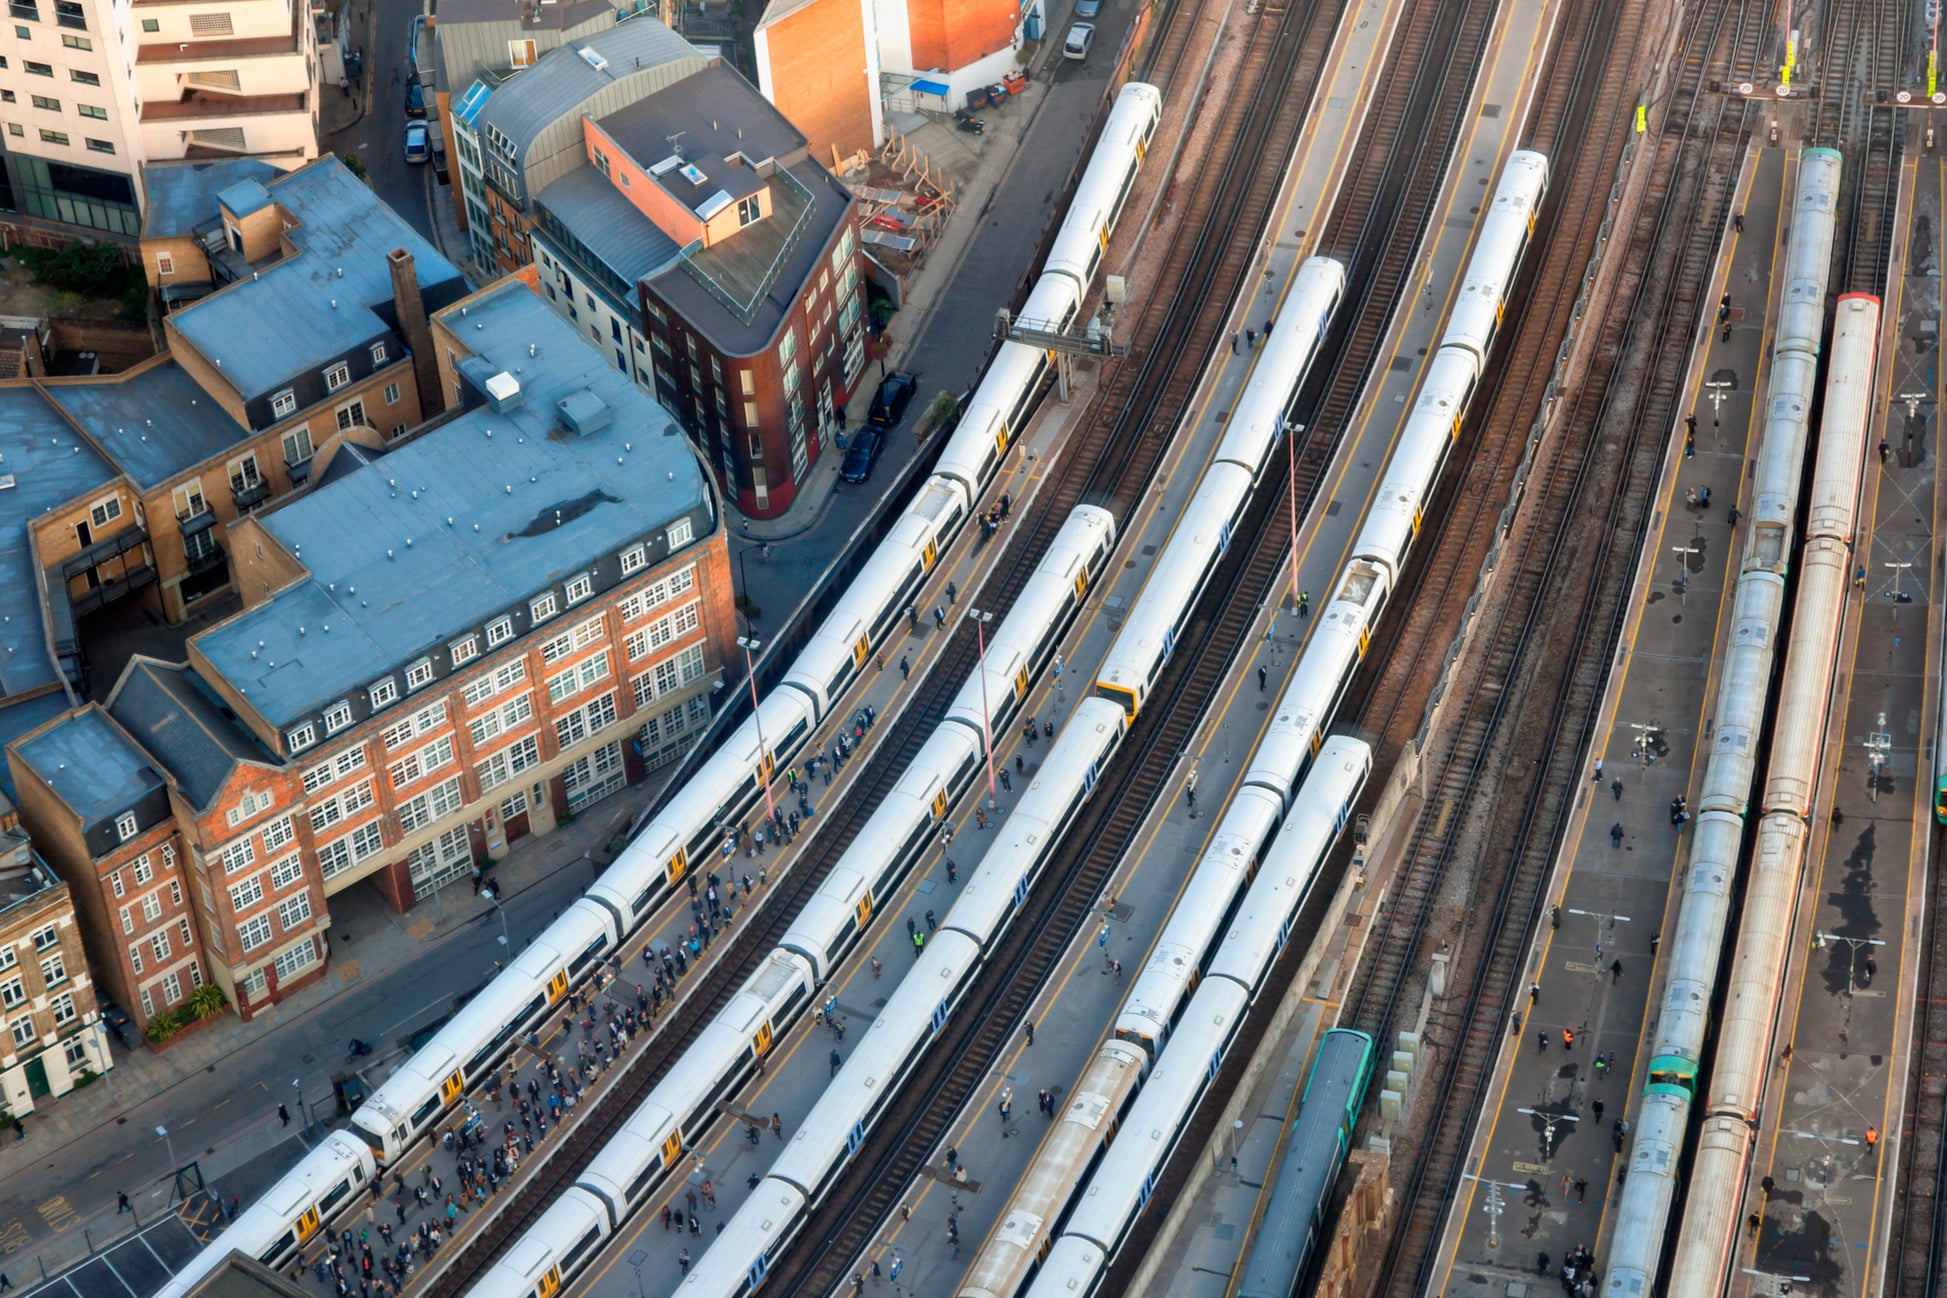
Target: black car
(415,100)
(863,451)
(894,395)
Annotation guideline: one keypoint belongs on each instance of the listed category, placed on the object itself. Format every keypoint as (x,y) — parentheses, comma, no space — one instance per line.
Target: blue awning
(939,88)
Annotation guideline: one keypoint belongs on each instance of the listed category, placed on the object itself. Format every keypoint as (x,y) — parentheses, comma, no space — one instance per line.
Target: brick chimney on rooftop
(412,325)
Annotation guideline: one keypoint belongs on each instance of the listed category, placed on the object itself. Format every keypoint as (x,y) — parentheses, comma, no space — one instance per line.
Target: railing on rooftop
(746,312)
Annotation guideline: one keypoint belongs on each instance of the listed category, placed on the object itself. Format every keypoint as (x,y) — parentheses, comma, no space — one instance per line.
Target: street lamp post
(980,621)
(170,1145)
(750,645)
(500,910)
(744,590)
(304,1114)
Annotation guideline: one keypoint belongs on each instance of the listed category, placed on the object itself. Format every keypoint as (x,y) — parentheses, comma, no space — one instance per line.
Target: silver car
(1081,36)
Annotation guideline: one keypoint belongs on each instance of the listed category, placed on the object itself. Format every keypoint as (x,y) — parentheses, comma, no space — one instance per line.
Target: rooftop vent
(504,391)
(583,413)
(591,58)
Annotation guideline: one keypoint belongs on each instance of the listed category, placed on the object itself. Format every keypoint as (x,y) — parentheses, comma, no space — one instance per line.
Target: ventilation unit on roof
(591,58)
(584,413)
(504,392)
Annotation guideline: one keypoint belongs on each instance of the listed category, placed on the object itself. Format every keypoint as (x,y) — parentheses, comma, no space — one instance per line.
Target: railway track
(1919,1236)
(1112,460)
(1562,600)
(1863,65)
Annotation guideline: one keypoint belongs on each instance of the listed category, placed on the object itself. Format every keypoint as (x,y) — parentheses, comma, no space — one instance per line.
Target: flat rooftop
(461,523)
(91,765)
(762,267)
(154,425)
(43,463)
(318,304)
(182,195)
(18,717)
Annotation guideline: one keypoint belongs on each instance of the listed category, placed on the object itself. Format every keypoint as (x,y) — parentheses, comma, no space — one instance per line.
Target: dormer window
(125,827)
(284,403)
(337,717)
(378,353)
(337,376)
(383,692)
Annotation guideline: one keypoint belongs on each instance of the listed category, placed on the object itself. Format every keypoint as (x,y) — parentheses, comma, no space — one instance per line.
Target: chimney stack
(412,323)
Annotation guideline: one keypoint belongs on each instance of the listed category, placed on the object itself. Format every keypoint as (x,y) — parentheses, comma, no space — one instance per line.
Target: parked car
(1087,8)
(416,98)
(861,453)
(417,148)
(1080,37)
(894,395)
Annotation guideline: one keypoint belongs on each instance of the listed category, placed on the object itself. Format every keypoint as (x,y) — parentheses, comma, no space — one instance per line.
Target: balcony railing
(203,558)
(249,495)
(103,551)
(200,521)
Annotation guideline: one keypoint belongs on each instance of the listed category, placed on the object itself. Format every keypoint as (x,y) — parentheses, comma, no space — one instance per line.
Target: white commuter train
(1191,994)
(690,826)
(657,1138)
(1703,916)
(835,1129)
(1285,863)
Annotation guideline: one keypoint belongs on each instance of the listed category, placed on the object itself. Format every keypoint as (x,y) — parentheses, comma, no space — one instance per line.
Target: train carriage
(336,1177)
(476,1039)
(1506,230)
(537,1264)
(1104,188)
(1257,424)
(1314,1152)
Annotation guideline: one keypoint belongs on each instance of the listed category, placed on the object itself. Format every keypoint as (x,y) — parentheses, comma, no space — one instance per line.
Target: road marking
(58,1213)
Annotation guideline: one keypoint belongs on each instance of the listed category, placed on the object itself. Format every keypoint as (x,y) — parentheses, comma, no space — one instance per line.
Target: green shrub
(208,1002)
(163,1026)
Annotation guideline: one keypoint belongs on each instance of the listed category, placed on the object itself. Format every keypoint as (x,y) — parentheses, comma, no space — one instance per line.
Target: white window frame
(105,511)
(337,717)
(382,693)
(541,608)
(284,404)
(378,353)
(579,587)
(254,932)
(126,827)
(679,533)
(337,376)
(635,559)
(299,738)
(419,675)
(500,632)
(463,650)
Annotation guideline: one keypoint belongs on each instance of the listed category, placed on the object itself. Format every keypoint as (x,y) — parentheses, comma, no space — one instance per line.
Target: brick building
(836,67)
(682,222)
(101,813)
(54,1035)
(446,644)
(305,341)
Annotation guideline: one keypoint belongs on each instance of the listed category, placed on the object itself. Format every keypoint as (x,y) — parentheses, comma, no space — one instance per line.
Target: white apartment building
(90,90)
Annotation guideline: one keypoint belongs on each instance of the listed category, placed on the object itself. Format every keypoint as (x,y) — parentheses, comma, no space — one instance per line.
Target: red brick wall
(949,34)
(817,76)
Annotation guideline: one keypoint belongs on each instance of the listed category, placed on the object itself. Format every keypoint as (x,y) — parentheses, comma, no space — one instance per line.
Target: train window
(640,1186)
(581,1247)
(588,957)
(792,739)
(334,1197)
(270,1255)
(424,1112)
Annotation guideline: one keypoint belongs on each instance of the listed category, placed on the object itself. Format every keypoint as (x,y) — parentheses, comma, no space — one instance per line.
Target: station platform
(1848,1003)
(1544,1161)
(1075,1013)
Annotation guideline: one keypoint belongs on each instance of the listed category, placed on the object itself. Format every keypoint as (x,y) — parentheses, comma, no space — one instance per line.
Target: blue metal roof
(154,425)
(182,195)
(563,80)
(19,717)
(245,197)
(91,765)
(462,523)
(47,464)
(172,714)
(588,204)
(318,304)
